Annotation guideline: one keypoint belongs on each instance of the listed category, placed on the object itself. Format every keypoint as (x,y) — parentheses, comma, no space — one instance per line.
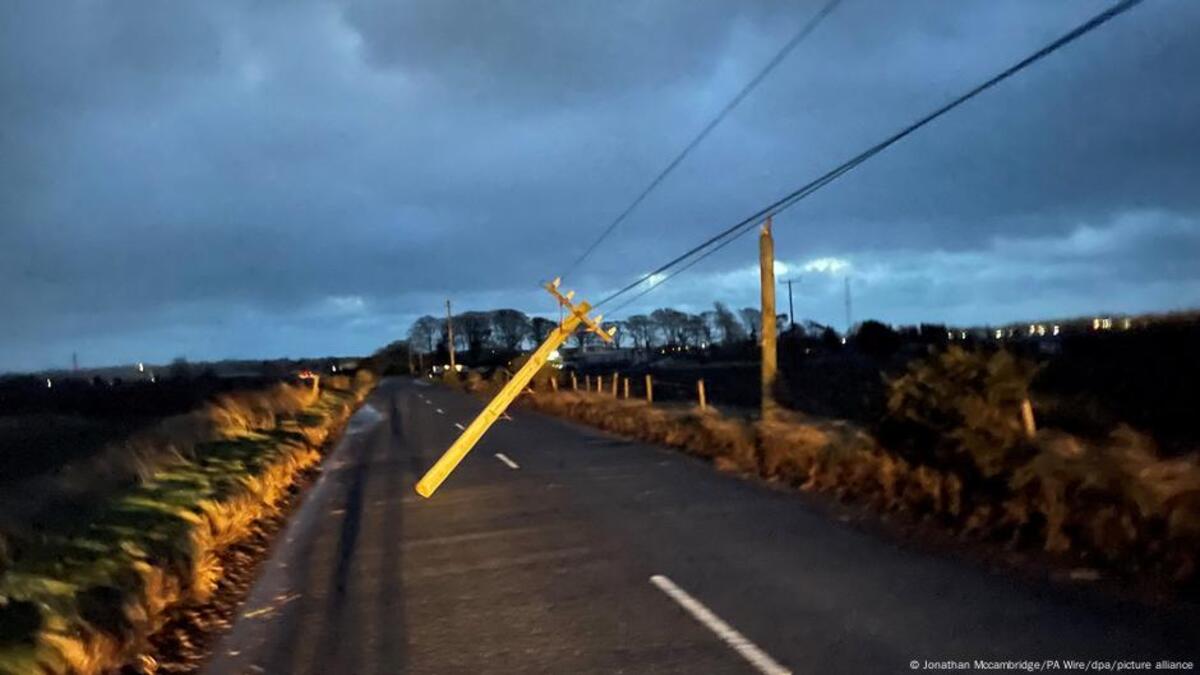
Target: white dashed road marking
(441,412)
(460,426)
(504,458)
(749,651)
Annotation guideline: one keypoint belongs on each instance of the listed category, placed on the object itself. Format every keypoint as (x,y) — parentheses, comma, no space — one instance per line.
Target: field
(1089,384)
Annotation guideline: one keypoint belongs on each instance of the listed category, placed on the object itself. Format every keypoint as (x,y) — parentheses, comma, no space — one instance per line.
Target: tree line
(507,331)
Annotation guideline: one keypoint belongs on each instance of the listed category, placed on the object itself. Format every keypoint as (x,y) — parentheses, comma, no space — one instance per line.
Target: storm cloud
(261,179)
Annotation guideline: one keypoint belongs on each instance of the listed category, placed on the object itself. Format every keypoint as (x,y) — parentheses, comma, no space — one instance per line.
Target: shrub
(961,410)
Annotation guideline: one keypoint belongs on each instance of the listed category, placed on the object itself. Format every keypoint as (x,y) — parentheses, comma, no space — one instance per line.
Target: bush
(876,339)
(961,410)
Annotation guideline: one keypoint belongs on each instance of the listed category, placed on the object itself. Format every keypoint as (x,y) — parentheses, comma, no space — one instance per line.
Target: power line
(728,235)
(733,103)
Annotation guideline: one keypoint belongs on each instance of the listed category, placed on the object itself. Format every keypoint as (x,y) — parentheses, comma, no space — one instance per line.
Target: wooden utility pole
(791,307)
(450,336)
(766,267)
(849,316)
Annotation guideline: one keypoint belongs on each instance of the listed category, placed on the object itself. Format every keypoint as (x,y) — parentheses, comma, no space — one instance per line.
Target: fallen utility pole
(575,316)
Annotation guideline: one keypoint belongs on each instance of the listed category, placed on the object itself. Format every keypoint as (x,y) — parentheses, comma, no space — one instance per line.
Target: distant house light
(1041,329)
(1126,324)
(141,367)
(1032,329)
(963,334)
(949,335)
(999,333)
(1056,329)
(49,384)
(1096,323)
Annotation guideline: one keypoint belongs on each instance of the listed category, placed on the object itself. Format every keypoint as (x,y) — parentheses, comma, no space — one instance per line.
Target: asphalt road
(558,549)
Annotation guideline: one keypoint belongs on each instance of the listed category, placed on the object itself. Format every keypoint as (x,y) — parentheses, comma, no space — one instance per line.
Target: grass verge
(1112,505)
(81,591)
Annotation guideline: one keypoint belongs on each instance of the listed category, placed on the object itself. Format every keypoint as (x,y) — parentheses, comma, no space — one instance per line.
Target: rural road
(558,549)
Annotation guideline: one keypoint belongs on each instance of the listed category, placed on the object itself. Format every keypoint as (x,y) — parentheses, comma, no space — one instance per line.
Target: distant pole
(75,361)
(849,316)
(766,266)
(791,308)
(450,335)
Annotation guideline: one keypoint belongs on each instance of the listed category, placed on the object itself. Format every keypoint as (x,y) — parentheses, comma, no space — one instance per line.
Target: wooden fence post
(574,382)
(627,388)
(554,383)
(587,383)
(614,387)
(700,392)
(649,389)
(1027,419)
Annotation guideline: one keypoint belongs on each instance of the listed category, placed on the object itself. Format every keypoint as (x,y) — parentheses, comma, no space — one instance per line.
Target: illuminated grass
(83,595)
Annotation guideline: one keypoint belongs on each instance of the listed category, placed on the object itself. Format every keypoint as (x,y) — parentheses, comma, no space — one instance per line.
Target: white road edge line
(460,426)
(728,634)
(504,458)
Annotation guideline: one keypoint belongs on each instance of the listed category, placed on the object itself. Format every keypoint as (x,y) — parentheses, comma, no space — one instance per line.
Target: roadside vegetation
(84,581)
(951,446)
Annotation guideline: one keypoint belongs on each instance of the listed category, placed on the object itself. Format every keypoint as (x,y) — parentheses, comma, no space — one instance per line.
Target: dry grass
(1115,503)
(96,583)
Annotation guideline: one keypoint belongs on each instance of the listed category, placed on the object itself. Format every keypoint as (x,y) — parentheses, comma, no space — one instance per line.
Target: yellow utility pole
(450,336)
(766,268)
(577,314)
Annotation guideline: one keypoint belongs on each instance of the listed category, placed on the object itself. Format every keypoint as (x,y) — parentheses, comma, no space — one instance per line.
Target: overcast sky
(258,179)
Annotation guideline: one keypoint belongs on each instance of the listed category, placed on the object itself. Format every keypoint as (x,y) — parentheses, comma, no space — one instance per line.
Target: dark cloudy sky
(252,178)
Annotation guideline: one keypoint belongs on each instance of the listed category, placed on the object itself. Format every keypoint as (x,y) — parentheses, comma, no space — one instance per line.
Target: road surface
(558,549)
